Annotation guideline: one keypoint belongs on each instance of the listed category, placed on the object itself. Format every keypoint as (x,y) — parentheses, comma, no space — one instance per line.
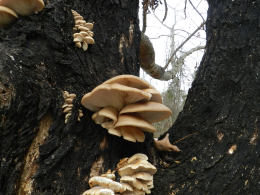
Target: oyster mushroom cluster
(68,104)
(104,185)
(126,106)
(136,174)
(83,35)
(10,9)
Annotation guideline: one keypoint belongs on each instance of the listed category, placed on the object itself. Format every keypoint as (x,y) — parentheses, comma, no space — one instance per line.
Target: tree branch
(147,59)
(166,11)
(197,10)
(181,45)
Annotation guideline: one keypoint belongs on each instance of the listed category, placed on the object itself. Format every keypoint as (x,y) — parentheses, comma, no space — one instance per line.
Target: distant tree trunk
(221,117)
(40,154)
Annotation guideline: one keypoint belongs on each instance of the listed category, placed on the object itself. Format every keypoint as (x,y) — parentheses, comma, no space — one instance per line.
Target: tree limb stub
(147,59)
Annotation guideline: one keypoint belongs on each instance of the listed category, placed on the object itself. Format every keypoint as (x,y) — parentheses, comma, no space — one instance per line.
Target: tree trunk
(221,118)
(219,124)
(38,61)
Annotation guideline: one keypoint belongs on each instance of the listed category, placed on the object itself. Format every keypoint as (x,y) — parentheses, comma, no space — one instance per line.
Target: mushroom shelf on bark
(126,106)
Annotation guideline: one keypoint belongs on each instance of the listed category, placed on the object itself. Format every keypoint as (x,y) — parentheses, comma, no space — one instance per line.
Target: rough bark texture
(38,61)
(222,110)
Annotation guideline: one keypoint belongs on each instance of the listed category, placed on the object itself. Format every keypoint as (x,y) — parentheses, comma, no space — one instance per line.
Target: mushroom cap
(104,115)
(114,95)
(149,111)
(138,156)
(133,121)
(134,183)
(24,7)
(156,95)
(98,191)
(144,176)
(140,166)
(132,134)
(6,15)
(130,81)
(107,183)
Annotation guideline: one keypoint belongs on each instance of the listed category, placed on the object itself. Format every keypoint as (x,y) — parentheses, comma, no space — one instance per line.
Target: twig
(181,45)
(187,53)
(196,10)
(166,11)
(185,6)
(183,138)
(161,22)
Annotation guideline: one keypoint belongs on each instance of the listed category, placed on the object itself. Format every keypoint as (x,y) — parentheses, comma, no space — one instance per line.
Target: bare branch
(197,10)
(160,36)
(166,11)
(161,22)
(187,53)
(185,6)
(181,45)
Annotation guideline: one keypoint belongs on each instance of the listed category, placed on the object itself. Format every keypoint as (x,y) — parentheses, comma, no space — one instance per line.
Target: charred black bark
(222,111)
(38,61)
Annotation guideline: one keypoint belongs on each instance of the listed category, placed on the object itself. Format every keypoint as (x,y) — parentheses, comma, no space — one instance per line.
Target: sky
(158,34)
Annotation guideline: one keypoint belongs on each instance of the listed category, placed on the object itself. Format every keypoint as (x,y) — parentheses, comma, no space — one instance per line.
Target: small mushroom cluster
(136,174)
(126,106)
(67,106)
(83,35)
(10,8)
(104,185)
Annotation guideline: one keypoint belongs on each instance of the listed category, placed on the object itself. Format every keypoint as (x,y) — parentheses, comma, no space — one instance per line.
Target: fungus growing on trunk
(7,16)
(136,174)
(24,7)
(104,185)
(83,35)
(126,106)
(68,105)
(165,145)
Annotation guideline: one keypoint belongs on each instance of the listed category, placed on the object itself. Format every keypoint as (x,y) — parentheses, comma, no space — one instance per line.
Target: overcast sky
(161,45)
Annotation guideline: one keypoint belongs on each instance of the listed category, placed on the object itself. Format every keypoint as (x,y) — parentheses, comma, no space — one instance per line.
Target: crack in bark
(30,166)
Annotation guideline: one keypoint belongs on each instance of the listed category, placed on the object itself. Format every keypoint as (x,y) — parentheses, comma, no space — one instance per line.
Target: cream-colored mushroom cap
(6,16)
(132,134)
(143,176)
(156,96)
(133,121)
(114,95)
(104,115)
(149,111)
(24,7)
(130,81)
(134,182)
(138,156)
(107,183)
(140,166)
(99,191)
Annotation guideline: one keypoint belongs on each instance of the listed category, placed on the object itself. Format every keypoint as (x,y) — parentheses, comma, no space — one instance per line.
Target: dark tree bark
(222,110)
(38,61)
